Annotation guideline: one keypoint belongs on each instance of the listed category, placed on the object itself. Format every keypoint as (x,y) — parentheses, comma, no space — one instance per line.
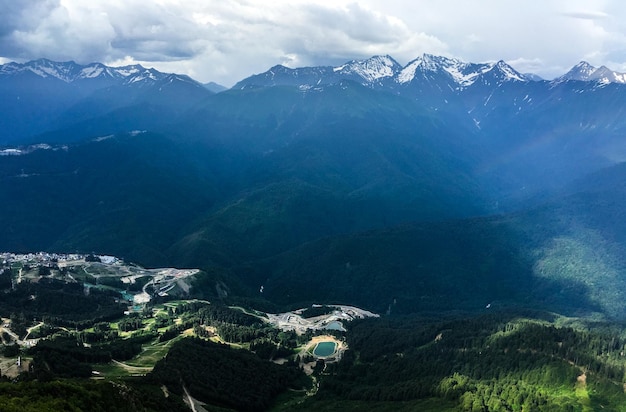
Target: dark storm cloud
(20,16)
(92,31)
(26,14)
(152,33)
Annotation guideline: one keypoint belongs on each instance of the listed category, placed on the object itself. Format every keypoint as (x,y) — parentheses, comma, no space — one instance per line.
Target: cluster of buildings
(45,257)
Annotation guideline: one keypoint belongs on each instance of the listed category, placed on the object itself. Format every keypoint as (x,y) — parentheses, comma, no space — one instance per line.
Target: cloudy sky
(227,40)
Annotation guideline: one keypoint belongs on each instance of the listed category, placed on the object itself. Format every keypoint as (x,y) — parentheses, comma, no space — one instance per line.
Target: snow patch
(11,152)
(103,138)
(371,69)
(408,73)
(91,72)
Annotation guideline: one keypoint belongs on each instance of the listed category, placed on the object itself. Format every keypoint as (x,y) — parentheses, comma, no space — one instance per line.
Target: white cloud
(227,40)
(588,15)
(524,65)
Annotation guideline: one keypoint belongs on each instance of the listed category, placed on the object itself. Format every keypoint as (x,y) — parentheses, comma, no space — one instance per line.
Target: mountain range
(383,72)
(42,96)
(435,184)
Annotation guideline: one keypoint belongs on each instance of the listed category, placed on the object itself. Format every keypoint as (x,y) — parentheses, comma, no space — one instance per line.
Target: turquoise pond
(324,349)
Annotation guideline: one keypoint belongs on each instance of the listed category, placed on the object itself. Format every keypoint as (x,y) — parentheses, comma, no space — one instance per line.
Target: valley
(435,236)
(162,324)
(327,344)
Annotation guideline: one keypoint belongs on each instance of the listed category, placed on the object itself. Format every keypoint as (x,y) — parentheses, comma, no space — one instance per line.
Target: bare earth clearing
(294,321)
(9,368)
(76,267)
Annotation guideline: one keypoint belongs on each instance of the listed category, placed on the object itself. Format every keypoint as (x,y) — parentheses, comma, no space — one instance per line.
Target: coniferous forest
(439,236)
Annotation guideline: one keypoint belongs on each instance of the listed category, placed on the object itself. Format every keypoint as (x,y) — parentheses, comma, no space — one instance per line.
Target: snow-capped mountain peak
(93,70)
(126,71)
(65,71)
(606,75)
(585,72)
(458,72)
(465,74)
(371,69)
(508,73)
(145,74)
(429,62)
(422,65)
(582,71)
(70,71)
(408,72)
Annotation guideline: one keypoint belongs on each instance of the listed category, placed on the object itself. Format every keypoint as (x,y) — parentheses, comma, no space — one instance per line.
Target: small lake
(335,326)
(324,349)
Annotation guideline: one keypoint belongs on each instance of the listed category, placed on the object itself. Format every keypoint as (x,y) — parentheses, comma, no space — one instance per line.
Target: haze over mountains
(440,183)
